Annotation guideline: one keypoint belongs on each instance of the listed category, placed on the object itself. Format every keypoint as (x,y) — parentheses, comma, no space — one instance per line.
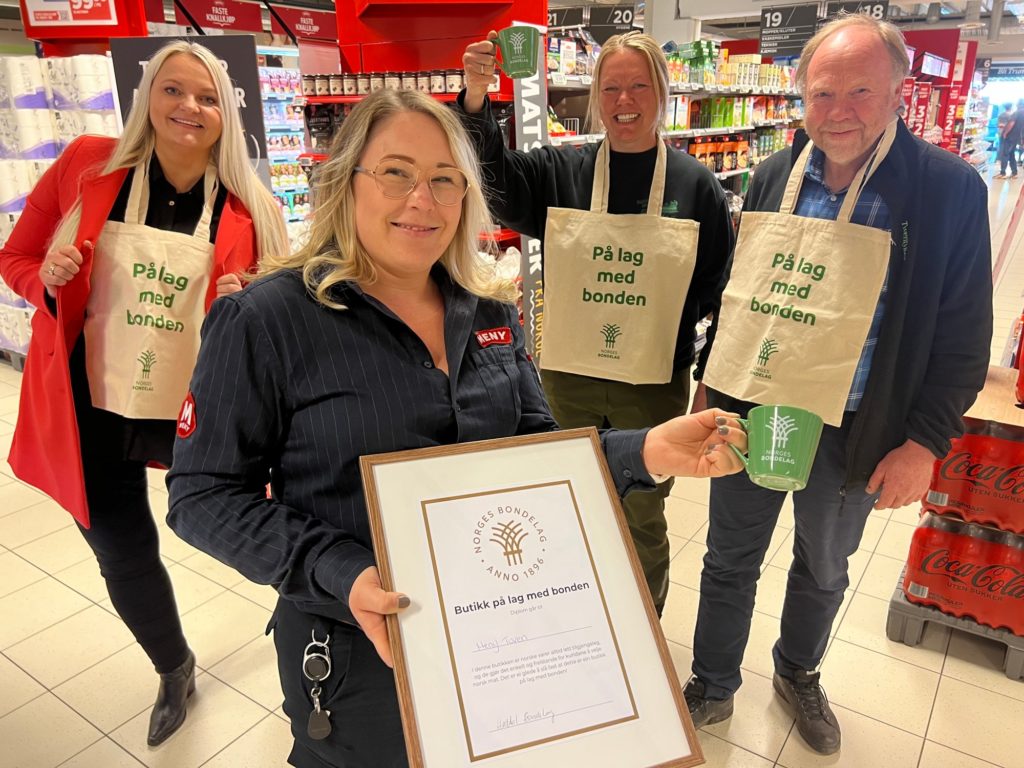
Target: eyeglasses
(397,179)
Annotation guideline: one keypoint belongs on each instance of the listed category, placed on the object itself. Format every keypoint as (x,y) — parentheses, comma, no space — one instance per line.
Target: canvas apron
(615,284)
(799,303)
(145,308)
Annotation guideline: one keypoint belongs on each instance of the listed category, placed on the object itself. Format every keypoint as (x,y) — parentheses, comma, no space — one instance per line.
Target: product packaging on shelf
(967,570)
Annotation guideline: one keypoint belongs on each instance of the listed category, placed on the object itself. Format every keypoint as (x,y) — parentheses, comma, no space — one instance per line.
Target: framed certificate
(531,638)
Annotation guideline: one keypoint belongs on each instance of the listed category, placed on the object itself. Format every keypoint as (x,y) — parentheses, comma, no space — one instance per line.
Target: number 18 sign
(65,13)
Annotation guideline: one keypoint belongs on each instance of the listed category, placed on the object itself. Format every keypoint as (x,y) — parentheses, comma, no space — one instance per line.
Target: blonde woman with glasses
(122,247)
(386,332)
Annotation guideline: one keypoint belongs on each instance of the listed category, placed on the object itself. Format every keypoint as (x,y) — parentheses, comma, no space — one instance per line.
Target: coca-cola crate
(967,570)
(981,479)
(905,624)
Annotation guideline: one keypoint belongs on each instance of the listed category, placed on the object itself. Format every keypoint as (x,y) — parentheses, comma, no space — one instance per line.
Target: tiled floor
(75,690)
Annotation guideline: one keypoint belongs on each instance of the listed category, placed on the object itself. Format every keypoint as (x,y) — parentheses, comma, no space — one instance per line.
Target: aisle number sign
(876,10)
(69,13)
(785,29)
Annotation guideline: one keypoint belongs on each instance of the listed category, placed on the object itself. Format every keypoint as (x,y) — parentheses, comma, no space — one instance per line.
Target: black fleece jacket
(933,350)
(521,186)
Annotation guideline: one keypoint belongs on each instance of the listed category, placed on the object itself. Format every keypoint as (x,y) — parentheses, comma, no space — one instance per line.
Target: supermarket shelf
(297,189)
(591,138)
(287,97)
(729,174)
(286,128)
(357,99)
(582,83)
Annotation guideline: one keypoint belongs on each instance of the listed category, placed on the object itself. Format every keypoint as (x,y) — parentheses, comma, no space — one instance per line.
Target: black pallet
(906,620)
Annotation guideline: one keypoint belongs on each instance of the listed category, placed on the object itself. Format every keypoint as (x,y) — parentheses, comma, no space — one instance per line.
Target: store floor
(75,690)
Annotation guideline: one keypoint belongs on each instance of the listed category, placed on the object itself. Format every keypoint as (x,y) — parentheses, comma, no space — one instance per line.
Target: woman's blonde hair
(229,155)
(333,253)
(647,47)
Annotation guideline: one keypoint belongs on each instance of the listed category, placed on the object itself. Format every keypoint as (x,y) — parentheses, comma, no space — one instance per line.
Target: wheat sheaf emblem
(148,359)
(518,40)
(782,427)
(509,536)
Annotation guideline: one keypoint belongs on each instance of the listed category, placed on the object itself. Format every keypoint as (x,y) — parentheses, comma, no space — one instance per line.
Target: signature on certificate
(524,718)
(498,643)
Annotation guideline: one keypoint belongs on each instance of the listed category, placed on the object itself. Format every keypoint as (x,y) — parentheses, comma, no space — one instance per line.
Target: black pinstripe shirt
(291,393)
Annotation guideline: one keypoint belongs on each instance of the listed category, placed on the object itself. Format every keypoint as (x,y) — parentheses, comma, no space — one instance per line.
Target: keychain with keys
(316,666)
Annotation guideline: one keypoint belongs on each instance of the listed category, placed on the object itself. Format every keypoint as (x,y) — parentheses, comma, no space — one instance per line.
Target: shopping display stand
(994,413)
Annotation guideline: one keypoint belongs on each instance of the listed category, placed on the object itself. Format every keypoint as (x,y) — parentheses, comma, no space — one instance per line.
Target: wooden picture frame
(531,635)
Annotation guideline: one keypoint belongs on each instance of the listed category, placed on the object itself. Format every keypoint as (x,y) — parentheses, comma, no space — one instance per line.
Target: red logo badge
(494,336)
(187,417)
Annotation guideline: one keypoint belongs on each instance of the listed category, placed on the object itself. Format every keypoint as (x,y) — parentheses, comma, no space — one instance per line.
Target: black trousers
(122,533)
(366,726)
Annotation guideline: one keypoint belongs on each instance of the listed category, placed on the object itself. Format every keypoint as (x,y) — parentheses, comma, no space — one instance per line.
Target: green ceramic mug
(519,47)
(781,443)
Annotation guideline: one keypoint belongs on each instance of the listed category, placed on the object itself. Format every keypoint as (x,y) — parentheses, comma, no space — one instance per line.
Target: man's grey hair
(888,33)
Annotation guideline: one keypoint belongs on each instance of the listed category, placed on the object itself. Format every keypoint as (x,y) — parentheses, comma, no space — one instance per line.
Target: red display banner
(69,12)
(922,100)
(222,14)
(968,571)
(981,480)
(305,24)
(155,11)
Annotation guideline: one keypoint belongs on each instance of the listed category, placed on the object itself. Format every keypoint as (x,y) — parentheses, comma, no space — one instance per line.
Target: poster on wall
(237,54)
(70,13)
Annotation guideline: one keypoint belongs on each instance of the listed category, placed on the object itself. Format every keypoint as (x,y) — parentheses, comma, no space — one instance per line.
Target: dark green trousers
(581,401)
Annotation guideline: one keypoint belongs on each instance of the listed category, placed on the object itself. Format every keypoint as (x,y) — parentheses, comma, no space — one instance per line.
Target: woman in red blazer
(122,247)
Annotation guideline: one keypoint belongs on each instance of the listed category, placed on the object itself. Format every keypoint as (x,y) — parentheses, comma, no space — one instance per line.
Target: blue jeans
(829,526)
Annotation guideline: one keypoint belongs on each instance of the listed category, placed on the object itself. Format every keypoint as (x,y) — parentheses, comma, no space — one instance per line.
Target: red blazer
(45,451)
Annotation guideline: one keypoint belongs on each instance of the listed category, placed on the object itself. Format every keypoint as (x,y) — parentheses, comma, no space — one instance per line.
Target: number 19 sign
(65,13)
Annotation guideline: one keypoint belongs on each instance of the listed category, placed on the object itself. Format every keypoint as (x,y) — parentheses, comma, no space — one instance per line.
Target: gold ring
(51,269)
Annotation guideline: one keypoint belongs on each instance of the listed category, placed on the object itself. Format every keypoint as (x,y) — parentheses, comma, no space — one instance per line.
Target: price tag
(586,79)
(558,79)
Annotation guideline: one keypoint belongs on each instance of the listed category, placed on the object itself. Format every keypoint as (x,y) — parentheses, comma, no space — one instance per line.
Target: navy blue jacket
(291,393)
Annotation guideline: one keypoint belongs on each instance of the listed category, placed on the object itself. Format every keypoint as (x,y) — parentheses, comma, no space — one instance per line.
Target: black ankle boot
(169,711)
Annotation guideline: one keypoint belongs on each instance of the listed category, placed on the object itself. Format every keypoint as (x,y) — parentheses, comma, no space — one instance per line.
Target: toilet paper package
(10,143)
(36,136)
(91,82)
(15,184)
(15,328)
(58,77)
(23,83)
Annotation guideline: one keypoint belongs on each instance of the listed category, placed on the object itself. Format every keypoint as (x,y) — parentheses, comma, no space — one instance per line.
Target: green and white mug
(519,46)
(782,441)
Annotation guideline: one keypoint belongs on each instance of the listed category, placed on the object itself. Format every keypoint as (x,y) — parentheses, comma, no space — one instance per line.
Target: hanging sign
(559,18)
(786,29)
(221,14)
(608,20)
(879,9)
(1000,71)
(305,24)
(69,13)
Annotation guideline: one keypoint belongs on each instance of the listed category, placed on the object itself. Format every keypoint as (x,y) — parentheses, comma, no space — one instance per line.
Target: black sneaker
(705,711)
(814,718)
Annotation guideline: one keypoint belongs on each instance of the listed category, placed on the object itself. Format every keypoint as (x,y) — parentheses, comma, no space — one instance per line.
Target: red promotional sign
(305,24)
(921,104)
(222,14)
(69,12)
(967,571)
(981,479)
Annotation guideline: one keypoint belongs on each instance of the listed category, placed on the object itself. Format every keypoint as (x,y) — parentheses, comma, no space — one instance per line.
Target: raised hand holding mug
(782,441)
